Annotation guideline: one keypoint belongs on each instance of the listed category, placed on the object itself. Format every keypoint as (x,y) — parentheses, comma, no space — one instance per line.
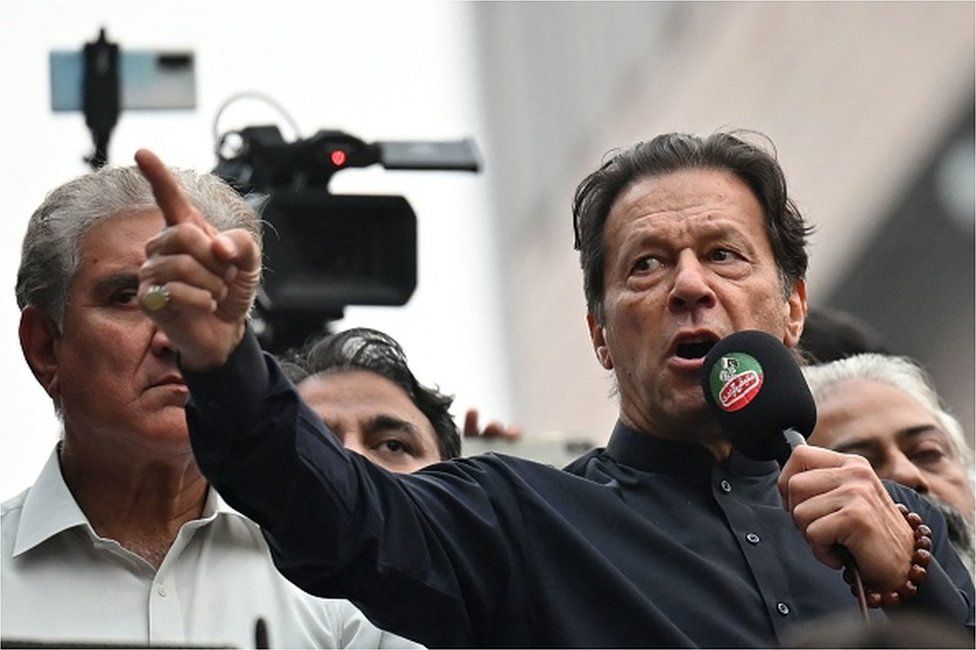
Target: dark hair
(673,152)
(373,351)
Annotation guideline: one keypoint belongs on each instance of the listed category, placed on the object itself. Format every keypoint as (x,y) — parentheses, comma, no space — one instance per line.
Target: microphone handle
(794,438)
(782,452)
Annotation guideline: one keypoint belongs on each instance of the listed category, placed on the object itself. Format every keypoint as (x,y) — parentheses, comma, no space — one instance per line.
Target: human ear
(598,337)
(39,336)
(796,314)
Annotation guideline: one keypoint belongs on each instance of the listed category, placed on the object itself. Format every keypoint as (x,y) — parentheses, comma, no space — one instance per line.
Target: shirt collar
(216,506)
(50,508)
(649,453)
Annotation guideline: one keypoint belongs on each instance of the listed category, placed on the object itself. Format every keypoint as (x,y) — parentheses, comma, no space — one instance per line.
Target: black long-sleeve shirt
(644,543)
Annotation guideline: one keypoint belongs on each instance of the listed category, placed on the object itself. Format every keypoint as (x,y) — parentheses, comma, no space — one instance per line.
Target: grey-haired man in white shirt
(121,540)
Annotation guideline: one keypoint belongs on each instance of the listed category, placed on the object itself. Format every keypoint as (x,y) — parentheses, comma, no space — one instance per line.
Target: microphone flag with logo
(754,386)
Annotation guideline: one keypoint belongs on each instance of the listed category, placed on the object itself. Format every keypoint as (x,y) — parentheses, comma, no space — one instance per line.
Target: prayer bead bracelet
(921,557)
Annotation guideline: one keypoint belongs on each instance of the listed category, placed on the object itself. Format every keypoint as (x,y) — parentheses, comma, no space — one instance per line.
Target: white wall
(382,70)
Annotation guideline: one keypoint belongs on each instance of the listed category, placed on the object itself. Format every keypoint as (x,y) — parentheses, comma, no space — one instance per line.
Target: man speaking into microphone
(670,536)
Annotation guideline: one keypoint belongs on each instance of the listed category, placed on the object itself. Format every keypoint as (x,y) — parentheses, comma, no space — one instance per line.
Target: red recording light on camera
(338,157)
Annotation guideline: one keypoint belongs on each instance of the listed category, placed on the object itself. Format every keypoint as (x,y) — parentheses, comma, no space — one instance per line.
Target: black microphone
(755,388)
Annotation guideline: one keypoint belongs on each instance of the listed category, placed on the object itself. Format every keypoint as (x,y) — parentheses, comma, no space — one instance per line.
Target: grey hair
(900,373)
(50,253)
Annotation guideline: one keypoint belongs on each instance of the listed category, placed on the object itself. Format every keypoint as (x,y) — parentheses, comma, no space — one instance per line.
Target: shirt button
(161,590)
(753,539)
(783,608)
(726,486)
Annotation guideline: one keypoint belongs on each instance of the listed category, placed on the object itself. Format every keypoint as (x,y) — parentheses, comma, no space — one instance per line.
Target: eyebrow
(869,443)
(386,421)
(728,231)
(117,281)
(710,232)
(854,445)
(917,430)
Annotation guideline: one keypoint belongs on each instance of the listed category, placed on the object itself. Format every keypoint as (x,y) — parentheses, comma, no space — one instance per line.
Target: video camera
(325,251)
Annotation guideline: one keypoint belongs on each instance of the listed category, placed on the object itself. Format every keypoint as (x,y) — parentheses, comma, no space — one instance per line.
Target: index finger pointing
(170,197)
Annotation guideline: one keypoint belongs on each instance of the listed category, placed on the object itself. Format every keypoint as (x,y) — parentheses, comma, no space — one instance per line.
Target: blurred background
(870,106)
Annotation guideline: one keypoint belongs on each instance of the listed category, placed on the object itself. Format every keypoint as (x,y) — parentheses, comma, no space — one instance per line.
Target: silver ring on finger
(156,298)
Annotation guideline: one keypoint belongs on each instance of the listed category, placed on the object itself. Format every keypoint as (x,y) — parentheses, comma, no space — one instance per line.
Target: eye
(394,446)
(928,456)
(723,255)
(646,264)
(124,296)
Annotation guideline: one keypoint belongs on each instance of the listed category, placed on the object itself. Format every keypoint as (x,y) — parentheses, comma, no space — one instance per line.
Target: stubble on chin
(960,531)
(686,418)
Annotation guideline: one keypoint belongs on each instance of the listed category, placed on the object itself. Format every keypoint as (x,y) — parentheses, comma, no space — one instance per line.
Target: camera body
(324,251)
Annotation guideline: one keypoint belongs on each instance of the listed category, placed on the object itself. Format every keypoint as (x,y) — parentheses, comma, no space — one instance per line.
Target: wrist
(213,357)
(912,576)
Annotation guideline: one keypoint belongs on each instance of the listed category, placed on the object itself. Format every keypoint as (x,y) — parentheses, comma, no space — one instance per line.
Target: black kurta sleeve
(340,526)
(947,590)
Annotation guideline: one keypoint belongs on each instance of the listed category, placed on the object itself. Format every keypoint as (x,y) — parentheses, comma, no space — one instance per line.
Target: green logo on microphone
(735,381)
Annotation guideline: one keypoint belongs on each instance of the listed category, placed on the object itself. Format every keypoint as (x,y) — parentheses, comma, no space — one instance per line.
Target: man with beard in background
(885,409)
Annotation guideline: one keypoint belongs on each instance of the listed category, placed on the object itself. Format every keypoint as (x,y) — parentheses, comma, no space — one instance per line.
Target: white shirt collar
(50,508)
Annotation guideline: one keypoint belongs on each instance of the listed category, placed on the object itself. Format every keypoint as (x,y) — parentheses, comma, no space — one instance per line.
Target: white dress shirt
(60,581)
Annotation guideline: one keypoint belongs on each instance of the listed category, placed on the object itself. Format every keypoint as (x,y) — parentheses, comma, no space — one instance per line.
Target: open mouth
(695,347)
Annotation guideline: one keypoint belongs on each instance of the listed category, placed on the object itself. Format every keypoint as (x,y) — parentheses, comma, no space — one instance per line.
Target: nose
(902,470)
(160,344)
(690,289)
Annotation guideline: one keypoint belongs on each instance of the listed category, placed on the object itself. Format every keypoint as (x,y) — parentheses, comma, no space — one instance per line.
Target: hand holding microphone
(759,396)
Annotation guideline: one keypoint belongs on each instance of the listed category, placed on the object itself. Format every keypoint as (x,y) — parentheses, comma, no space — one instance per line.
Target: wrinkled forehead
(364,397)
(117,240)
(676,187)
(692,203)
(864,405)
(353,387)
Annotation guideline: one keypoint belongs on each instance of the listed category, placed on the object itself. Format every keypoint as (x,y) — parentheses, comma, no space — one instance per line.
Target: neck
(703,431)
(139,502)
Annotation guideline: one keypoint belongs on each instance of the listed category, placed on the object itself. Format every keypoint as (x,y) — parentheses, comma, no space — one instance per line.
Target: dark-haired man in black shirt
(667,537)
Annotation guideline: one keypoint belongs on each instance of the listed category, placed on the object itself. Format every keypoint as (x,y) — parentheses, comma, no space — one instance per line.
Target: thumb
(238,249)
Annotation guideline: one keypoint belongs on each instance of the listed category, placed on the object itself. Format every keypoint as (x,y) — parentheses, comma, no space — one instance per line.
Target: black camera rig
(326,251)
